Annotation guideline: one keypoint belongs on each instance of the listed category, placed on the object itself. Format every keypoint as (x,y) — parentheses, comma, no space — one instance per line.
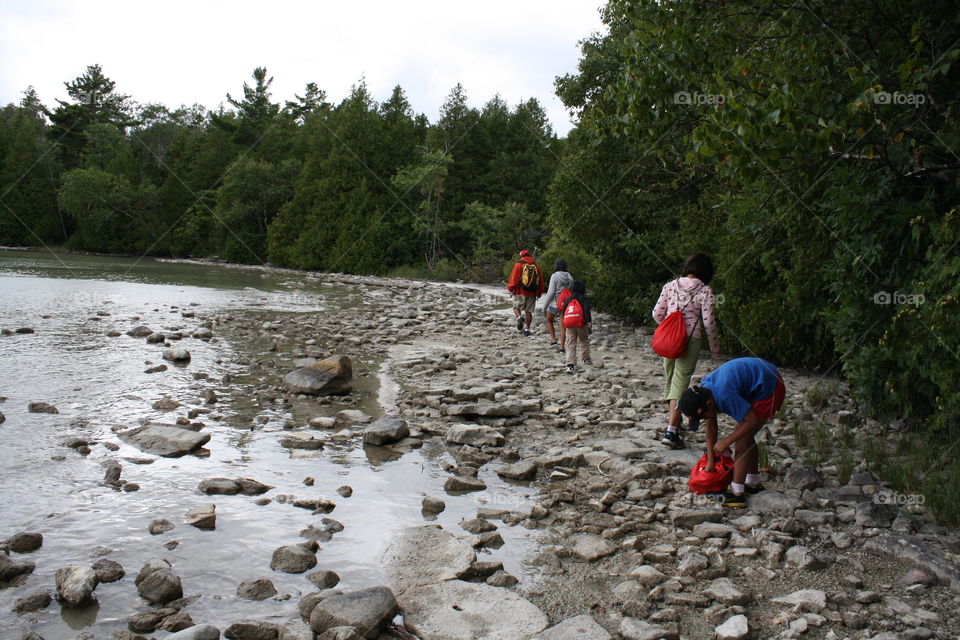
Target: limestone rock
(259,589)
(332,376)
(589,547)
(202,517)
(735,628)
(407,566)
(366,610)
(75,585)
(22,542)
(386,430)
(168,442)
(294,558)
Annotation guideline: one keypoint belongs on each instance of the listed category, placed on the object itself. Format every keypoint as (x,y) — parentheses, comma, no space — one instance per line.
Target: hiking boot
(672,439)
(732,500)
(752,491)
(570,368)
(526,332)
(520,322)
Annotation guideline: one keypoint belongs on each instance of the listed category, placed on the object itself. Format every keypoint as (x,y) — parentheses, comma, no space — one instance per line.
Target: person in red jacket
(526,286)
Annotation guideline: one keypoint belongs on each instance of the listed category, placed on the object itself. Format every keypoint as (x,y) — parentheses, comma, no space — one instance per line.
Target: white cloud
(187,52)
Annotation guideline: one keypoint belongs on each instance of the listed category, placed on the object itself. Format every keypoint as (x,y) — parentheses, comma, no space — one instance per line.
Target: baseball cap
(524,253)
(693,404)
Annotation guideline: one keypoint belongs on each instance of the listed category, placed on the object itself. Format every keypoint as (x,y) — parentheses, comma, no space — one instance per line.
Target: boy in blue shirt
(750,391)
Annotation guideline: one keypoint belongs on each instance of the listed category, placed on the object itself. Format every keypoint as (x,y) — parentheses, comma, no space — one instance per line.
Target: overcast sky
(178,52)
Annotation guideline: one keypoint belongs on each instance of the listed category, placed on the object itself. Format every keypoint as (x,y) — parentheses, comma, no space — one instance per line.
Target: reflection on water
(99,384)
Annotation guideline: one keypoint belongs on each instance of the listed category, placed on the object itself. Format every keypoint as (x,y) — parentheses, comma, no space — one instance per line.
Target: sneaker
(752,491)
(561,350)
(672,439)
(570,368)
(588,361)
(526,332)
(554,343)
(733,500)
(520,322)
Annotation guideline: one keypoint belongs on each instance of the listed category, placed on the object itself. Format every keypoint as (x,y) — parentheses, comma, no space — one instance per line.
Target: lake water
(99,383)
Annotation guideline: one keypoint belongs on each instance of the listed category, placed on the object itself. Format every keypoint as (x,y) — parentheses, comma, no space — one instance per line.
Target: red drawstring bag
(670,338)
(573,314)
(702,482)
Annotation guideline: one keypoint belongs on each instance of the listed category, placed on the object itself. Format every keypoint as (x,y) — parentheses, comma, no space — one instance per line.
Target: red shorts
(766,408)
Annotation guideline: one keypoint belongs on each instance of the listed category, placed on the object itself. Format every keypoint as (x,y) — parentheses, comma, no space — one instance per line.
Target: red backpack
(573,314)
(670,337)
(562,297)
(702,482)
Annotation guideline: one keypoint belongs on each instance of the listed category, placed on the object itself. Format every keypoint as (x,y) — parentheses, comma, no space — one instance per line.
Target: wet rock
(476,526)
(147,621)
(813,600)
(433,505)
(157,369)
(340,633)
(23,542)
(317,505)
(11,568)
(870,514)
(407,566)
(295,558)
(156,337)
(165,403)
(463,484)
(582,627)
(108,570)
(158,585)
(802,478)
(177,355)
(168,442)
(474,435)
(251,487)
(345,491)
(259,589)
(199,632)
(589,547)
(75,585)
(2,417)
(457,610)
(301,441)
(502,579)
(202,517)
(32,602)
(328,377)
(41,407)
(366,610)
(324,578)
(141,331)
(252,630)
(160,525)
(386,430)
(322,422)
(23,330)
(176,622)
(219,486)
(735,628)
(525,470)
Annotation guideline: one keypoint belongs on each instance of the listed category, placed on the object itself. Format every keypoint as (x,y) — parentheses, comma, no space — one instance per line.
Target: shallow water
(98,383)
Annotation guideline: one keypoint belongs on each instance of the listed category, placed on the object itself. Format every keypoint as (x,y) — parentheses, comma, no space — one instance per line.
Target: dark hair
(578,287)
(560,265)
(700,265)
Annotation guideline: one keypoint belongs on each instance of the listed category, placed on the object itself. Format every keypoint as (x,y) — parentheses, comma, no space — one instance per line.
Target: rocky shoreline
(624,550)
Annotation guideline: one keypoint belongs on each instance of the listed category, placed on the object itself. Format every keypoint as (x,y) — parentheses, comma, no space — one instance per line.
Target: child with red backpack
(577,322)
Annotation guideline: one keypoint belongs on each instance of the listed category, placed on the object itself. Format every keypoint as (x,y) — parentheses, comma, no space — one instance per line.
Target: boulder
(456,484)
(433,505)
(582,627)
(693,517)
(324,578)
(252,630)
(202,517)
(458,610)
(11,568)
(141,331)
(75,585)
(219,486)
(32,602)
(199,632)
(802,478)
(735,628)
(251,487)
(589,547)
(366,610)
(332,376)
(474,435)
(407,566)
(386,430)
(340,633)
(169,442)
(42,407)
(304,441)
(108,570)
(771,501)
(22,542)
(294,558)
(160,525)
(259,589)
(159,586)
(177,355)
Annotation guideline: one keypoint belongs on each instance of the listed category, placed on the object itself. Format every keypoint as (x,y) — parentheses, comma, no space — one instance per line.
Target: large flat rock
(581,627)
(457,610)
(327,377)
(169,442)
(425,555)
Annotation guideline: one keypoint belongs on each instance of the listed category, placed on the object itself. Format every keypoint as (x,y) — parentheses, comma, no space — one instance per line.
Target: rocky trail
(622,548)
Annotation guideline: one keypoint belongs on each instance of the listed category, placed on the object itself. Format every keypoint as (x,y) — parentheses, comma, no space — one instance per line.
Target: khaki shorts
(525,303)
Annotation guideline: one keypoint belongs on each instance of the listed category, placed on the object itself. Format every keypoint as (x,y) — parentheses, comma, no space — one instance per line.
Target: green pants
(678,371)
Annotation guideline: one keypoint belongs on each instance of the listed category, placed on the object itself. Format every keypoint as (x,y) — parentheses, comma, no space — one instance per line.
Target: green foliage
(108,210)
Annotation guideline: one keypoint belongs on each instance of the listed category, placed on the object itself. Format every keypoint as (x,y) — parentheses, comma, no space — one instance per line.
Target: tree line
(811,149)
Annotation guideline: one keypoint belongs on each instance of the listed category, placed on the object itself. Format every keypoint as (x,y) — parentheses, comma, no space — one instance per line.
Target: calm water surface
(98,383)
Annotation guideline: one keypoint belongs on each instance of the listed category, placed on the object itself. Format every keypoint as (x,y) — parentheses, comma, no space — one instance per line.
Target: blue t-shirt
(737,384)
